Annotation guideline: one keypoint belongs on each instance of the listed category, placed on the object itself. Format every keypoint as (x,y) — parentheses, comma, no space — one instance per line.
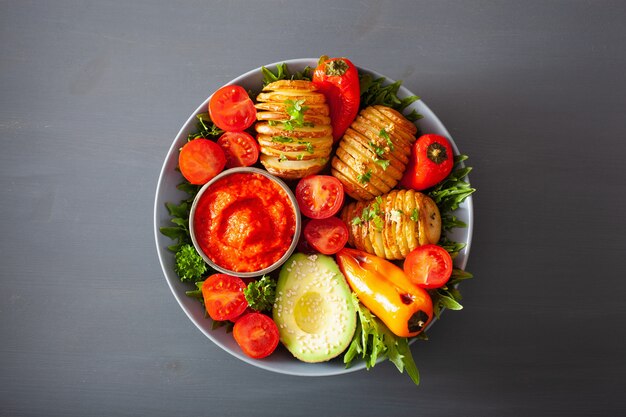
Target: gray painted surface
(93,94)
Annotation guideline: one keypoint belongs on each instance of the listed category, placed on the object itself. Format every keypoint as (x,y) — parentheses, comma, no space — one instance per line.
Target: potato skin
(398,222)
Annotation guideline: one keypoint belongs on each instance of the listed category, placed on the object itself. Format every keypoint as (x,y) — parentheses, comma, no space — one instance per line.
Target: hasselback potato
(293,129)
(373,153)
(392,225)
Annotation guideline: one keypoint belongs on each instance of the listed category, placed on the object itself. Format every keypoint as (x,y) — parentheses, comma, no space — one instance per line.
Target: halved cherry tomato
(223,296)
(256,334)
(319,196)
(241,149)
(428,266)
(200,160)
(231,109)
(338,79)
(432,159)
(327,236)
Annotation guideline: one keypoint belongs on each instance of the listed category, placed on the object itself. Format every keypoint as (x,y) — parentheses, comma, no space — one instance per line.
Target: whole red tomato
(338,79)
(431,161)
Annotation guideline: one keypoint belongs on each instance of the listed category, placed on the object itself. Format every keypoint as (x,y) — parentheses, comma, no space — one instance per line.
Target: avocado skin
(314,311)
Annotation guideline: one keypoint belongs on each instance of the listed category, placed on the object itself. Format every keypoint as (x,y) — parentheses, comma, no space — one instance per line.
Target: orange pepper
(385,290)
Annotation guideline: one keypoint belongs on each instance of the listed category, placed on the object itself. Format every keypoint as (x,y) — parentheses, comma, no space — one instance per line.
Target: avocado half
(314,311)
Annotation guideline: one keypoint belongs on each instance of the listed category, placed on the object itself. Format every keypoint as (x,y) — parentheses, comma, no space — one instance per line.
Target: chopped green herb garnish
(282,158)
(415,215)
(384,163)
(282,139)
(377,149)
(365,178)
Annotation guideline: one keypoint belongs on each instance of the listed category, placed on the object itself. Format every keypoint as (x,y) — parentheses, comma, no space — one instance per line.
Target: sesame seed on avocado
(313,310)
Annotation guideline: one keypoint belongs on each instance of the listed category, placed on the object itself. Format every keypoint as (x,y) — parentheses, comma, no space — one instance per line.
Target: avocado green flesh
(314,312)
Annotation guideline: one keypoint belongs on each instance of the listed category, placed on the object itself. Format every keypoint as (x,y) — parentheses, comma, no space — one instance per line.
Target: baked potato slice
(397,118)
(353,181)
(363,165)
(299,85)
(352,135)
(312,109)
(429,222)
(398,135)
(401,149)
(349,186)
(387,174)
(389,232)
(283,96)
(316,131)
(289,169)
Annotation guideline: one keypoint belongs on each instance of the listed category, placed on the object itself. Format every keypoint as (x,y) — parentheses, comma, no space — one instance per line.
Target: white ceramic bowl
(280,361)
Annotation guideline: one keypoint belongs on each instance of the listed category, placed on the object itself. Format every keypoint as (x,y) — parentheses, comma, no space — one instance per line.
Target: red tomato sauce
(244,222)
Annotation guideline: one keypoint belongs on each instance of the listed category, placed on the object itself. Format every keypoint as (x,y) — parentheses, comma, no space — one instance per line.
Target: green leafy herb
(415,215)
(282,139)
(449,295)
(180,217)
(384,163)
(295,109)
(261,294)
(365,177)
(309,146)
(372,340)
(282,158)
(374,91)
(189,264)
(452,191)
(385,135)
(206,128)
(197,293)
(283,73)
(378,150)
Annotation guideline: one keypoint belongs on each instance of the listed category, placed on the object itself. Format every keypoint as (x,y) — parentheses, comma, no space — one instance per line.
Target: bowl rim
(294,206)
(182,299)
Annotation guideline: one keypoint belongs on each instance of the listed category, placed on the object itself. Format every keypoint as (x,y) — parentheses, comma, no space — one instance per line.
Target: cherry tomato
(200,160)
(241,149)
(231,109)
(428,266)
(223,296)
(338,79)
(319,196)
(256,334)
(327,236)
(431,161)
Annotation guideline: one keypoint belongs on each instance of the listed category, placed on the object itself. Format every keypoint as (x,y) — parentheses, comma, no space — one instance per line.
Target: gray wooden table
(93,93)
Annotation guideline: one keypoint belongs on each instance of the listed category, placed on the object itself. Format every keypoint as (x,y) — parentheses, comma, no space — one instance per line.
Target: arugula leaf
(206,128)
(373,340)
(374,91)
(283,73)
